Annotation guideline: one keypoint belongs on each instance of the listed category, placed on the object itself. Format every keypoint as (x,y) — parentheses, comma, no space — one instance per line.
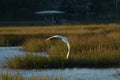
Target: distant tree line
(75,10)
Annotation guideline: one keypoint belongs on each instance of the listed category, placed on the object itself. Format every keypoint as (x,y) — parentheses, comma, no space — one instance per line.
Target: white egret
(64,39)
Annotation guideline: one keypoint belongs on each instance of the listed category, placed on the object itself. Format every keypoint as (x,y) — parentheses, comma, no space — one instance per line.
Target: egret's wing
(52,37)
(64,39)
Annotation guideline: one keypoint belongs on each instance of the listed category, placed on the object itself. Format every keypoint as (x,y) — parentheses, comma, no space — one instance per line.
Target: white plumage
(64,39)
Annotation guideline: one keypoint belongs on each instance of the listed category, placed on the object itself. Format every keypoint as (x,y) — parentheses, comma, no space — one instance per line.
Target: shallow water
(8,52)
(69,74)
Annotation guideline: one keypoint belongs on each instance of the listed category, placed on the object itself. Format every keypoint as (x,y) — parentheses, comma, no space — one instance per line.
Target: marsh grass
(35,45)
(9,76)
(17,76)
(91,46)
(37,62)
(90,61)
(15,36)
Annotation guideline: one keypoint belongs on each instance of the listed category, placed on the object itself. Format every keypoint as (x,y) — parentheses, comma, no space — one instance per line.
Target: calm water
(69,74)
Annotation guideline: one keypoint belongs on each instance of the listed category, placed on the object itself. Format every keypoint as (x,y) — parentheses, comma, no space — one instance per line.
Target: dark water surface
(69,74)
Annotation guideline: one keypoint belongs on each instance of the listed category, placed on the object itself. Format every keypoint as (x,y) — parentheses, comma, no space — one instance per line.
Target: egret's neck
(68,53)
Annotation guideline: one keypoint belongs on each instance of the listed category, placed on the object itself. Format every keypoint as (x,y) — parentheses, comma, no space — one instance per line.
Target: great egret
(64,39)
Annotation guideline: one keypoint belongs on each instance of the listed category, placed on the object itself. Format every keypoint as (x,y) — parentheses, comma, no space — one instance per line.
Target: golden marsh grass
(91,45)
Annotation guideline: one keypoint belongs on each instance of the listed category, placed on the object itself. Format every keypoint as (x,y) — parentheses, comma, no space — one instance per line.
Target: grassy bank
(37,62)
(91,46)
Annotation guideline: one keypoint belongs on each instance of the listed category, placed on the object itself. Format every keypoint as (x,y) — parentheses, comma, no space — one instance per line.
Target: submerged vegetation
(17,76)
(91,46)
